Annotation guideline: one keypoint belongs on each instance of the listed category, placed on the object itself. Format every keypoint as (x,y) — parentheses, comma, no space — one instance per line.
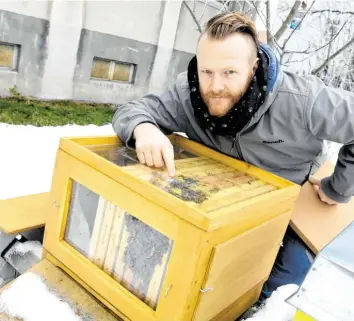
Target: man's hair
(225,24)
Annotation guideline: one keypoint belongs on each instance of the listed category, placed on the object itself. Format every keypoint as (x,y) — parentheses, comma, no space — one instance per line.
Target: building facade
(101,51)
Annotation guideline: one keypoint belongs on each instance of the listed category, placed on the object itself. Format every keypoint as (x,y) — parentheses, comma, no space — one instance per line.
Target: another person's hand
(153,148)
(317,186)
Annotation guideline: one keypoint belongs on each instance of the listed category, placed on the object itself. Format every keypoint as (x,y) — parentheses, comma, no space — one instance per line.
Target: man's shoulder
(294,83)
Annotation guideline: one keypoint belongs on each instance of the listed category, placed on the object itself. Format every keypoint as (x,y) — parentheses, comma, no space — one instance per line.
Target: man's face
(225,70)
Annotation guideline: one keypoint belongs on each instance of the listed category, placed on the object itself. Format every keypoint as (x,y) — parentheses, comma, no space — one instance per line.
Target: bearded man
(236,99)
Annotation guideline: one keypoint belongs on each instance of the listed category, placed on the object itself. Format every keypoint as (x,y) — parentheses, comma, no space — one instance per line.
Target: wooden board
(315,222)
(64,286)
(204,183)
(241,305)
(238,265)
(24,213)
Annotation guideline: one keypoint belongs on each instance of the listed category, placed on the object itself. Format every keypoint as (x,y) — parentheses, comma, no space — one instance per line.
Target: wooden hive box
(198,246)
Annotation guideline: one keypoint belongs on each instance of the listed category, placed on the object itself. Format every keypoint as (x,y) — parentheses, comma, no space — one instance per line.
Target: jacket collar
(275,78)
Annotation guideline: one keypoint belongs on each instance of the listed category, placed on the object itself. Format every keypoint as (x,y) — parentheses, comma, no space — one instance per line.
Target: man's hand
(317,186)
(153,147)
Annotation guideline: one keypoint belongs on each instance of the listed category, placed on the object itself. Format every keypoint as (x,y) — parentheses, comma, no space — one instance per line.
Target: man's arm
(163,110)
(330,116)
(141,122)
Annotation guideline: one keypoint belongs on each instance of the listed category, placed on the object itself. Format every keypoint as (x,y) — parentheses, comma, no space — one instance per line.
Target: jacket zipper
(236,144)
(308,175)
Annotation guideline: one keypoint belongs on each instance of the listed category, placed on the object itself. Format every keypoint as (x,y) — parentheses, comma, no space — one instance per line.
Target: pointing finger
(168,157)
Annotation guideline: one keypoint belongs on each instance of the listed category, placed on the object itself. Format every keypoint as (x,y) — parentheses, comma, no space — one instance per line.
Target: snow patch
(29,246)
(28,155)
(29,298)
(275,308)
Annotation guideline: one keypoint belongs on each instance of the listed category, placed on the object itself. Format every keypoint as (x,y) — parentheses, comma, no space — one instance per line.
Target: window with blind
(111,70)
(9,54)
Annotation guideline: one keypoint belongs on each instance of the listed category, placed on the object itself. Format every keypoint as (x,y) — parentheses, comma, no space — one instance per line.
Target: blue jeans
(291,265)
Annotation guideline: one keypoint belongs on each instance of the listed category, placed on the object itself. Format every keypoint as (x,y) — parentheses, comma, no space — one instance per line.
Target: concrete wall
(178,63)
(38,9)
(97,44)
(63,43)
(60,39)
(31,34)
(137,20)
(188,34)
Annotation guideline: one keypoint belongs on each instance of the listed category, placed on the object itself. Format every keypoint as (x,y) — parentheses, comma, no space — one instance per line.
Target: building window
(111,70)
(9,56)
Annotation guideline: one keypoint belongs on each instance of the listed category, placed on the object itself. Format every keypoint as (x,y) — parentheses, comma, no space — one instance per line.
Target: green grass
(21,110)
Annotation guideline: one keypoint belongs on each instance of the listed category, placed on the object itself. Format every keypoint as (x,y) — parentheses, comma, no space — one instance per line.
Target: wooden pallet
(316,222)
(24,213)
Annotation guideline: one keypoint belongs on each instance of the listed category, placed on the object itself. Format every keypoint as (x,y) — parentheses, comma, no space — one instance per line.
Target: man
(236,99)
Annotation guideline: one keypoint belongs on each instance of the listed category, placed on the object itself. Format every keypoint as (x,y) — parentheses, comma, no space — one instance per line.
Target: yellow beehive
(198,246)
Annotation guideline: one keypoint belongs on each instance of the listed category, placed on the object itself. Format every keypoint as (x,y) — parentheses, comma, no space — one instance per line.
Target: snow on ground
(34,247)
(26,166)
(275,308)
(28,298)
(28,155)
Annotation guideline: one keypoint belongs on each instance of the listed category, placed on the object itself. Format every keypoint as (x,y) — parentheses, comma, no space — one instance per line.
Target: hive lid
(207,183)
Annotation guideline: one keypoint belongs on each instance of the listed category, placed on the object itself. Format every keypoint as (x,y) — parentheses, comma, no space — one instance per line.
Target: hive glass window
(201,181)
(123,156)
(8,56)
(131,252)
(112,70)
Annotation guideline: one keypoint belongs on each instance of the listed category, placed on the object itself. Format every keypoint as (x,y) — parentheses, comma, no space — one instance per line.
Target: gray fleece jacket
(286,136)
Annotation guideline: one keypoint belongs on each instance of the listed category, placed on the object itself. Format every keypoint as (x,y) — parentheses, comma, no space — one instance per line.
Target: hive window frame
(112,65)
(106,247)
(15,51)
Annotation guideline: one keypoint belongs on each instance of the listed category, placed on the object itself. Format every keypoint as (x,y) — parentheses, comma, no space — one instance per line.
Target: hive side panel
(240,264)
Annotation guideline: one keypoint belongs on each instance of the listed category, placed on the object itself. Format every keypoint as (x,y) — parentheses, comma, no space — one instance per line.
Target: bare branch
(233,4)
(318,69)
(260,14)
(301,60)
(299,51)
(201,16)
(268,26)
(193,16)
(224,6)
(308,10)
(275,42)
(248,11)
(325,45)
(333,11)
(288,19)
